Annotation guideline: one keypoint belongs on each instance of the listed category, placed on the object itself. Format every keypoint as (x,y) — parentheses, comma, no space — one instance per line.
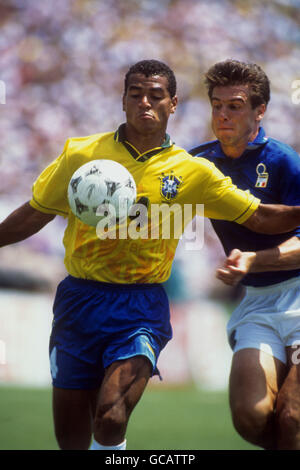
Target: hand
(236,266)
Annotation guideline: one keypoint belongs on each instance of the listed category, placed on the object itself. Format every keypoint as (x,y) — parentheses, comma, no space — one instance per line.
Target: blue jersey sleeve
(290,181)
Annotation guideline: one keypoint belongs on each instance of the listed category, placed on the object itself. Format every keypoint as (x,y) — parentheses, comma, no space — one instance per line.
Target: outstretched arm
(284,257)
(274,218)
(22,223)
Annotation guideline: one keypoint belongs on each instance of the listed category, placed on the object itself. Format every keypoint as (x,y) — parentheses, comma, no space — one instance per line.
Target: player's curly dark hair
(150,68)
(232,72)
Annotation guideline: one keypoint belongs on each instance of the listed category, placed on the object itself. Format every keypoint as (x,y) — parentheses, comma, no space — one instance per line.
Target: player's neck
(237,148)
(233,151)
(144,142)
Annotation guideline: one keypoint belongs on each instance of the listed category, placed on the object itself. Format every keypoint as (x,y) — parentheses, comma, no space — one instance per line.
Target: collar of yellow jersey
(141,157)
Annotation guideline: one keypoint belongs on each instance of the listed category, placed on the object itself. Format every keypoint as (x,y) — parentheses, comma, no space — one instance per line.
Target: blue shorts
(96,324)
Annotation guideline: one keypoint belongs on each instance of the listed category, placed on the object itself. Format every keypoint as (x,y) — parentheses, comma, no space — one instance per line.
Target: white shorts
(268,319)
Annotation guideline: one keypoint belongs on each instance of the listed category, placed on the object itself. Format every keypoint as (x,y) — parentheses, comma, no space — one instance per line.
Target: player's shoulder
(189,154)
(74,144)
(205,149)
(185,160)
(182,154)
(280,150)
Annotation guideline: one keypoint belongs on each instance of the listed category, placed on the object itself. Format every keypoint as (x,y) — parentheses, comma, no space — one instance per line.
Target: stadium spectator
(265,327)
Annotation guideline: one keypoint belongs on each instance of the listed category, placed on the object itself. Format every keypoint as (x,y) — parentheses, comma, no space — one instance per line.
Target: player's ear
(261,109)
(174,102)
(123,102)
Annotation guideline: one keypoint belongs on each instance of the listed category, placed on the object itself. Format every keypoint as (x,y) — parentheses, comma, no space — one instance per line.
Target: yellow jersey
(167,175)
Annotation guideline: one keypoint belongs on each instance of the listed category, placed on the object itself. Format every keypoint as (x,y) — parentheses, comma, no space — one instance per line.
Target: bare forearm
(271,219)
(284,257)
(21,224)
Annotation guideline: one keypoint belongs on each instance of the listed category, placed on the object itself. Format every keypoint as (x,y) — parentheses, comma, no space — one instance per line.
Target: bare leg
(288,406)
(73,412)
(121,389)
(255,380)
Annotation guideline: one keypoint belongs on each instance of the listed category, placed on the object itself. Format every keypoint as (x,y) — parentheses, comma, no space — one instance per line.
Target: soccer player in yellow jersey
(111,314)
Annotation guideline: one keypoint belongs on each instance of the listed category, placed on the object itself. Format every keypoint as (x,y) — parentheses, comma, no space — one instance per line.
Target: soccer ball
(103,183)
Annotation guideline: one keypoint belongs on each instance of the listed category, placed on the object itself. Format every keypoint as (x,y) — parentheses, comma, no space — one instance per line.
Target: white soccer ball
(103,183)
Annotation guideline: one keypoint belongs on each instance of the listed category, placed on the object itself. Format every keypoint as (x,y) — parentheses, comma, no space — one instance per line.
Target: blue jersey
(271,171)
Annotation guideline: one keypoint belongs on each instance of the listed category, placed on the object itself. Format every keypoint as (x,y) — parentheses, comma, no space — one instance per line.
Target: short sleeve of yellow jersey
(220,197)
(49,191)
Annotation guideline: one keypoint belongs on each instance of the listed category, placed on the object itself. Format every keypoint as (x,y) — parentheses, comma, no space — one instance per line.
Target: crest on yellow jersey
(169,184)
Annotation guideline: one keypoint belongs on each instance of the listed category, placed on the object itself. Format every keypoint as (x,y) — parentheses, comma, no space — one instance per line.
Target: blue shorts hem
(75,387)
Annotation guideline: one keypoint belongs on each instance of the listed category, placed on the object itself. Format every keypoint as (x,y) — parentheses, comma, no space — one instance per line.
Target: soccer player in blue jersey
(265,328)
(111,313)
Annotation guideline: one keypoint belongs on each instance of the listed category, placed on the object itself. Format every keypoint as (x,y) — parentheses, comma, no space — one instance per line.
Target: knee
(73,442)
(110,418)
(288,421)
(64,442)
(251,420)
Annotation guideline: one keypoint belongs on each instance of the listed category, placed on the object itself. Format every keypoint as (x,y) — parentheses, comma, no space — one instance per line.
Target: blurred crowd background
(63,65)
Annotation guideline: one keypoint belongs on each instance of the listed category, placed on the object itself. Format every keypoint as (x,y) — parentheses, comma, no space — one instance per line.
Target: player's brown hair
(233,72)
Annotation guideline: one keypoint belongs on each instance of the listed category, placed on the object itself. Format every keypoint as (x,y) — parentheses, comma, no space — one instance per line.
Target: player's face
(234,122)
(148,104)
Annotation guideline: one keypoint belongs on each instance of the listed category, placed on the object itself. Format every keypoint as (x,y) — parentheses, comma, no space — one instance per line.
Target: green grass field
(165,419)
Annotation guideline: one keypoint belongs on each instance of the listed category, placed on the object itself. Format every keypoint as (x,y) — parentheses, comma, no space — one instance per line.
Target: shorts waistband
(293,282)
(106,285)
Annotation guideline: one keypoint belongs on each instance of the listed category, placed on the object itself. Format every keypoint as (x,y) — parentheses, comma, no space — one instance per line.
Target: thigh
(255,379)
(290,390)
(124,383)
(121,389)
(288,405)
(73,413)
